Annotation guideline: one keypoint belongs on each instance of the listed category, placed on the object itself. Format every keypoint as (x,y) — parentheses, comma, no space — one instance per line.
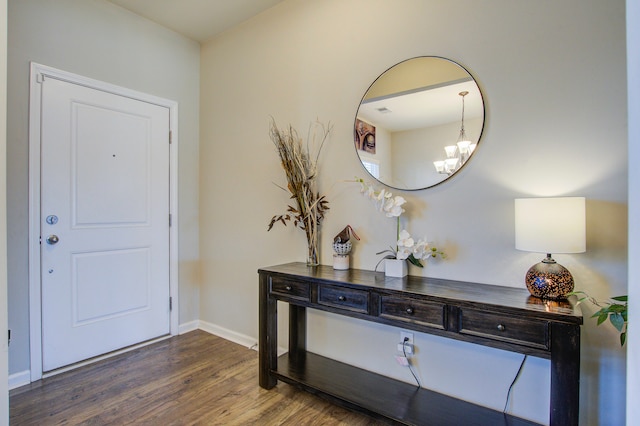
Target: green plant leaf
(616,312)
(617,321)
(602,317)
(415,261)
(617,308)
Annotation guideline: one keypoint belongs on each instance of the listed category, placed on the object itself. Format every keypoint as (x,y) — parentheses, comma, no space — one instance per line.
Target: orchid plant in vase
(414,252)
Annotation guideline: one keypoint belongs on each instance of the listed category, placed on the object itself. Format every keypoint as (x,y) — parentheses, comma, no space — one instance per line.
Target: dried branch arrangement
(301,170)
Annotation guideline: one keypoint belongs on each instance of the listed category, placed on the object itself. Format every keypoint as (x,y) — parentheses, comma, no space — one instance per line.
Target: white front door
(104,222)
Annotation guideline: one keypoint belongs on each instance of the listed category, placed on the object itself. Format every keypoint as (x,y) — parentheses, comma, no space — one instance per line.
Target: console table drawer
(290,289)
(405,309)
(344,298)
(527,332)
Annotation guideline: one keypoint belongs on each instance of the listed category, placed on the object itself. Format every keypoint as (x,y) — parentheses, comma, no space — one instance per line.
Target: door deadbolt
(52,239)
(52,219)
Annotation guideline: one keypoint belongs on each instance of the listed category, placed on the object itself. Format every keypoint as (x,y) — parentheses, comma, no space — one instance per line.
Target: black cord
(515,379)
(407,358)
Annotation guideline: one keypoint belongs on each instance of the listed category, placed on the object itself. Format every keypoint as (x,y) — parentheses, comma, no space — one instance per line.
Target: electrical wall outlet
(406,334)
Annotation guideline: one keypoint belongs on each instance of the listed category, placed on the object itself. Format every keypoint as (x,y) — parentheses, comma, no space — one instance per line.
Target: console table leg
(268,335)
(297,332)
(565,374)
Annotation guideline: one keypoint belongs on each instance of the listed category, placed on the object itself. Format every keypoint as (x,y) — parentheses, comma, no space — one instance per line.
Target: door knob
(52,239)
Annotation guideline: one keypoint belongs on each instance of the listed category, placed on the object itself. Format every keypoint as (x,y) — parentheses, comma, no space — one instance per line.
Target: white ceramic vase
(395,268)
(341,262)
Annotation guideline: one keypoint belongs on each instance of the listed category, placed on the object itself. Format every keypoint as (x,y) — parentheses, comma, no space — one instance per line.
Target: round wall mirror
(419,123)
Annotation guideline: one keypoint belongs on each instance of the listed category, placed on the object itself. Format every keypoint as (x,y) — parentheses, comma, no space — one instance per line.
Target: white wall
(553,77)
(97,39)
(633,77)
(4,350)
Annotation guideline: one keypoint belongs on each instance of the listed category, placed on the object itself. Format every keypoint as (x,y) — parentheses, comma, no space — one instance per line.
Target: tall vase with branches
(300,164)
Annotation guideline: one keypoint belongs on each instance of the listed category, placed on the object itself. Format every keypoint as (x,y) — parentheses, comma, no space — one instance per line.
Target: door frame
(38,72)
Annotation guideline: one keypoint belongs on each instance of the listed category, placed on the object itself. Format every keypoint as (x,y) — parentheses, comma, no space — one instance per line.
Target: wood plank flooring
(192,379)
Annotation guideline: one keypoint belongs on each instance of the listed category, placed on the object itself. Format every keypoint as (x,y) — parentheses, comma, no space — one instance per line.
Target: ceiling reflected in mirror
(410,114)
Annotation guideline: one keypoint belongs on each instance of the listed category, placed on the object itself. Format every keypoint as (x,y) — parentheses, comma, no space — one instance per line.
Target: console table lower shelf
(383,397)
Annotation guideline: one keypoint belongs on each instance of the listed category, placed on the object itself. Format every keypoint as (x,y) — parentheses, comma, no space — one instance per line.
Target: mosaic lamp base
(549,280)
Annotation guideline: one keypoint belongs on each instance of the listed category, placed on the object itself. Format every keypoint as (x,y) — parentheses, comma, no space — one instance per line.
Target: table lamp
(550,225)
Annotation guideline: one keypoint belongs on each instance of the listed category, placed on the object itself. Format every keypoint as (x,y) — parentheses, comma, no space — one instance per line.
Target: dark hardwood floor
(192,379)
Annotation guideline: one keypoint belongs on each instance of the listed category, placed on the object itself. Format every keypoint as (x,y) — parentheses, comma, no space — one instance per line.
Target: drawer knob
(409,310)
(288,288)
(342,298)
(501,327)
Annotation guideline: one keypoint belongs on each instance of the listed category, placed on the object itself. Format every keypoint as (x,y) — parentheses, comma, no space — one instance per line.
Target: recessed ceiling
(200,20)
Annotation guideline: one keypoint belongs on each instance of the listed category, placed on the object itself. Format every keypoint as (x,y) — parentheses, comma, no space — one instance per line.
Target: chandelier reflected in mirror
(459,153)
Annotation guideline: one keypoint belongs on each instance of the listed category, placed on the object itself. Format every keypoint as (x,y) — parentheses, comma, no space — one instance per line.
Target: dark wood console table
(500,317)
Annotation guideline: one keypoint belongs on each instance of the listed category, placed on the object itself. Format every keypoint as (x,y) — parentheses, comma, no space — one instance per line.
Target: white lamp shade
(550,225)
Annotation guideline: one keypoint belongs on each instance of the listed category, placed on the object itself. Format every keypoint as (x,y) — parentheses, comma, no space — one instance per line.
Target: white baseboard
(232,336)
(225,333)
(19,379)
(188,326)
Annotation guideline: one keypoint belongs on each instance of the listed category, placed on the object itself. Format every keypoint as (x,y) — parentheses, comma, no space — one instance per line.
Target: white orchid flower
(379,199)
(406,247)
(371,193)
(393,206)
(383,195)
(421,250)
(405,240)
(368,190)
(403,253)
